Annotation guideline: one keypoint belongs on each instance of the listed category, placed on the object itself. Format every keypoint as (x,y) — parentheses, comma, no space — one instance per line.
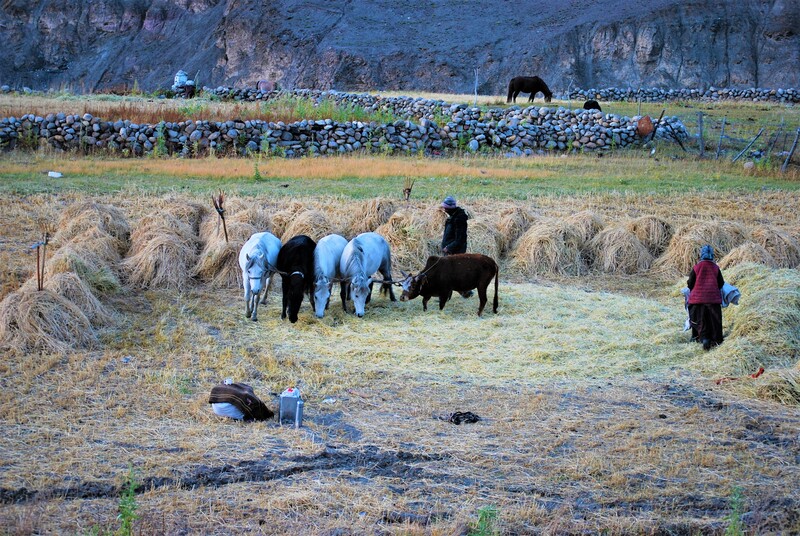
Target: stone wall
(427,126)
(790,95)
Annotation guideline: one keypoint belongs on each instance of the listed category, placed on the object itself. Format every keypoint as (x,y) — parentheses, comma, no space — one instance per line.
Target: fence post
(749,145)
(791,151)
(721,135)
(700,140)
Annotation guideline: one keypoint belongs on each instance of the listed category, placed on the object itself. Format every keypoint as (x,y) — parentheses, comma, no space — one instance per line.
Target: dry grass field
(597,413)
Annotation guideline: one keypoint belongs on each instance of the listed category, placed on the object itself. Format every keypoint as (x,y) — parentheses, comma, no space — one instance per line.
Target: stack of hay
(64,315)
(369,216)
(408,241)
(765,331)
(218,262)
(684,247)
(551,248)
(513,223)
(312,223)
(163,253)
(616,250)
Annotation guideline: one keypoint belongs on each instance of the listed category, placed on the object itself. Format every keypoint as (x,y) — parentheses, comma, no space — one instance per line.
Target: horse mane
(356,258)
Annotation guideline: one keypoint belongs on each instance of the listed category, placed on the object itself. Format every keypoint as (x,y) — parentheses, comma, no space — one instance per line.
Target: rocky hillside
(434,45)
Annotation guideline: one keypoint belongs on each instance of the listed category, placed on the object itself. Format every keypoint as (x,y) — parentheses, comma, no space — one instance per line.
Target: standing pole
(772,144)
(38,270)
(748,145)
(700,140)
(721,135)
(791,152)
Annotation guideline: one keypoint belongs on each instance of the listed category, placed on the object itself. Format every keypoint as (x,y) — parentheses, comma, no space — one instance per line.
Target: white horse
(257,259)
(326,269)
(363,256)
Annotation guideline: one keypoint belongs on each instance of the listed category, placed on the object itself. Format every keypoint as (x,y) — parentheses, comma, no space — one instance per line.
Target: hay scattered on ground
(684,247)
(513,224)
(408,241)
(549,248)
(163,253)
(79,218)
(747,252)
(312,223)
(43,321)
(586,223)
(780,384)
(86,263)
(784,249)
(653,232)
(370,215)
(617,250)
(484,237)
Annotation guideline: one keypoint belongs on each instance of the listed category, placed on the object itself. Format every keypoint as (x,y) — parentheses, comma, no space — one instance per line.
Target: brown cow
(461,273)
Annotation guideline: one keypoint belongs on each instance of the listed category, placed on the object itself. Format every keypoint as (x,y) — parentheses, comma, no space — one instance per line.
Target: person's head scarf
(706,253)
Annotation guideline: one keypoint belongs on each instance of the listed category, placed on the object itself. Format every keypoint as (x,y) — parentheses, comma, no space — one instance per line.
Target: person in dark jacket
(705,299)
(454,238)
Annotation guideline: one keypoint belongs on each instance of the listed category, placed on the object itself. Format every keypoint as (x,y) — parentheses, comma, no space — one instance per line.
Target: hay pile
(653,232)
(282,218)
(550,248)
(83,217)
(43,321)
(408,241)
(765,329)
(72,288)
(90,263)
(188,212)
(513,223)
(218,263)
(483,236)
(312,223)
(586,223)
(778,243)
(617,250)
(370,215)
(163,253)
(684,247)
(747,252)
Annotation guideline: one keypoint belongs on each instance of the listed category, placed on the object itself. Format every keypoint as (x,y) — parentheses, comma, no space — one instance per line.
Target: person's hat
(449,202)
(706,253)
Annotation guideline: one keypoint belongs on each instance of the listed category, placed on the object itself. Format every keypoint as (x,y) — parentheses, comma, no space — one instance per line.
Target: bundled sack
(238,401)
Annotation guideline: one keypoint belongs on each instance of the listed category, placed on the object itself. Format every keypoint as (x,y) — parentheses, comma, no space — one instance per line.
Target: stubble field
(597,413)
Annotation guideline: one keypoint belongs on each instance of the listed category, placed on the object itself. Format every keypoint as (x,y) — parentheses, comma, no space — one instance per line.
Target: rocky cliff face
(400,44)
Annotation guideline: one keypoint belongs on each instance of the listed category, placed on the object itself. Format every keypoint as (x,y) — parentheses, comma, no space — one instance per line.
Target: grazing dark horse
(592,105)
(528,84)
(296,266)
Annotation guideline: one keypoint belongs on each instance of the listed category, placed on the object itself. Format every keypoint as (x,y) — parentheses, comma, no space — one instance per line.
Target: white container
(291,407)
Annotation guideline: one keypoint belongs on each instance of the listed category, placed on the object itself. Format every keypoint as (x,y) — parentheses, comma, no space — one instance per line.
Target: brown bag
(242,396)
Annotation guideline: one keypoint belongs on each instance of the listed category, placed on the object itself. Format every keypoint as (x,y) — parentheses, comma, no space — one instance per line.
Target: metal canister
(291,407)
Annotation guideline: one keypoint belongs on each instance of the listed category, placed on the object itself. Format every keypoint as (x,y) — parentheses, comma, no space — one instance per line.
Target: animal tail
(496,284)
(510,91)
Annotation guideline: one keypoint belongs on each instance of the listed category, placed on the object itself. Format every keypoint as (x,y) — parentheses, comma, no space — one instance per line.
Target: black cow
(296,266)
(592,105)
(461,273)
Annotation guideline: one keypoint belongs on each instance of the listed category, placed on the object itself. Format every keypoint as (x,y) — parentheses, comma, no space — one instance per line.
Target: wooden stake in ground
(721,135)
(748,145)
(700,140)
(791,151)
(407,187)
(218,205)
(40,258)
